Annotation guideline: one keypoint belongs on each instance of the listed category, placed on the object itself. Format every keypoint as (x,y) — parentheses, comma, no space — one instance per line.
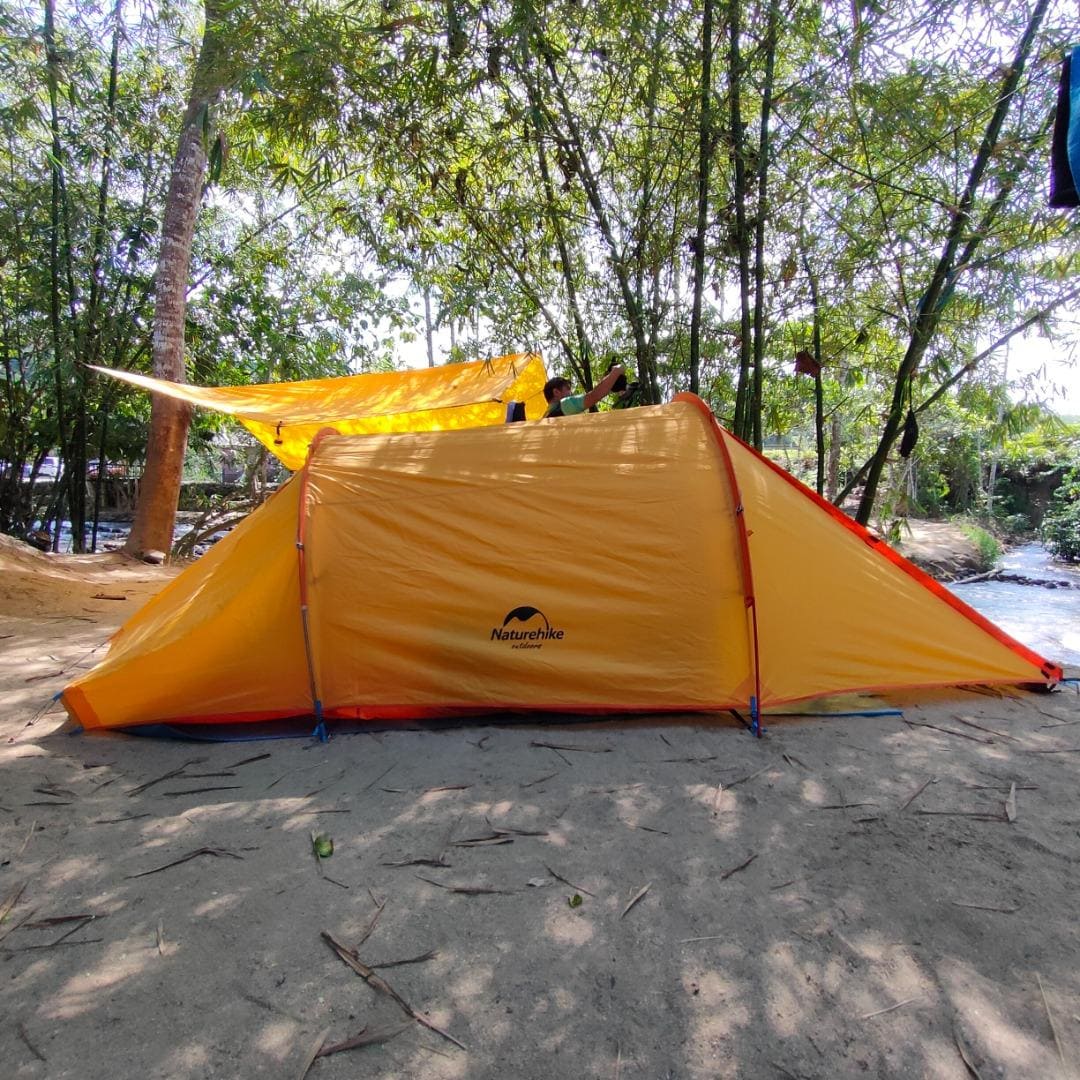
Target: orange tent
(631,561)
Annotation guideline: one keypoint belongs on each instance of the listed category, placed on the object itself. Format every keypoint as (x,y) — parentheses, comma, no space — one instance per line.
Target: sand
(845,897)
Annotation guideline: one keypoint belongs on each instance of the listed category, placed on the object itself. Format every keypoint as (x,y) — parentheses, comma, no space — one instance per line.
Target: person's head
(556,389)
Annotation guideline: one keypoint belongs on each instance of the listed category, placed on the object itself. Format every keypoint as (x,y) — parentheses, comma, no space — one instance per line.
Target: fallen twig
(203,790)
(559,877)
(29,833)
(421,860)
(166,776)
(379,905)
(11,900)
(881,1012)
(484,841)
(248,761)
(989,731)
(925,784)
(29,1045)
(568,746)
(533,783)
(1050,1017)
(946,731)
(468,890)
(735,869)
(988,907)
(313,1053)
(217,852)
(117,820)
(743,779)
(423,958)
(85,920)
(55,920)
(1010,803)
(965,1051)
(377,983)
(637,896)
(363,1038)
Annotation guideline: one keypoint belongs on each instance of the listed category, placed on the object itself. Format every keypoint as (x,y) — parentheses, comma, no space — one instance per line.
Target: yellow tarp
(637,560)
(285,417)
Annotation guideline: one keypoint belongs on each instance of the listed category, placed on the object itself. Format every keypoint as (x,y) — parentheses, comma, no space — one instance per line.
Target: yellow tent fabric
(285,417)
(629,561)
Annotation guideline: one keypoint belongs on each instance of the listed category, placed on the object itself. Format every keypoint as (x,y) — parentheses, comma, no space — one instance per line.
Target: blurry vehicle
(49,469)
(112,468)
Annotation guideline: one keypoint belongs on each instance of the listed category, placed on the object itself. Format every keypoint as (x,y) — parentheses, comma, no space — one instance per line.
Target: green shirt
(569,406)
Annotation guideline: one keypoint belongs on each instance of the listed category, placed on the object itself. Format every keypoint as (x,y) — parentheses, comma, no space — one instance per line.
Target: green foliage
(988,545)
(1061,526)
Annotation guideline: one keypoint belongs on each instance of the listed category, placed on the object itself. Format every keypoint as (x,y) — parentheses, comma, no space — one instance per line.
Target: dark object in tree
(1065,149)
(805,364)
(619,385)
(910,436)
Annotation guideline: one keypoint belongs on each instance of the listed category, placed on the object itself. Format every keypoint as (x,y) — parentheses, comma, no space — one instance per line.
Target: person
(563,402)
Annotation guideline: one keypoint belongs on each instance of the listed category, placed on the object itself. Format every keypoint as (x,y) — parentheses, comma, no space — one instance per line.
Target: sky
(1053,376)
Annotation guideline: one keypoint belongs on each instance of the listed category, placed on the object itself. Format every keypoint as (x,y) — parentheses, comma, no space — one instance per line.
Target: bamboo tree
(705,152)
(936,295)
(739,232)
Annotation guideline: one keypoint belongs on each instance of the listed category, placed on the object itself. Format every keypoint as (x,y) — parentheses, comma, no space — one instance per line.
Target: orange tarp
(637,560)
(285,417)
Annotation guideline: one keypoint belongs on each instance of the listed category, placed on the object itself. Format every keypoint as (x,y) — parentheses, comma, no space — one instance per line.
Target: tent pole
(320,731)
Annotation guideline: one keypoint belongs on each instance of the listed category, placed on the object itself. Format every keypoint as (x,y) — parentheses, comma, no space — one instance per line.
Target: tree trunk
(761,215)
(704,161)
(739,233)
(159,489)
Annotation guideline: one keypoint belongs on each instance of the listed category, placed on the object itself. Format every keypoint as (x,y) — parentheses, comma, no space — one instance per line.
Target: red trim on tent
(744,542)
(1049,670)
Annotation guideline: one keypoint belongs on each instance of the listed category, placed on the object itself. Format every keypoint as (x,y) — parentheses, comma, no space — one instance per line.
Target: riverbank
(883,895)
(944,549)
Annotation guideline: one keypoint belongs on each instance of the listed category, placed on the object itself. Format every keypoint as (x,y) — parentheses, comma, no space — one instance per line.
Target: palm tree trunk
(159,489)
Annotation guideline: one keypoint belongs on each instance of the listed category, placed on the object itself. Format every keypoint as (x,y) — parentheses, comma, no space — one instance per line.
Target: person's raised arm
(603,387)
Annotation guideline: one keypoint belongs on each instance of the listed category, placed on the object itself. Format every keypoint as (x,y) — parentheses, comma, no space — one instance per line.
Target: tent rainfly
(285,416)
(641,560)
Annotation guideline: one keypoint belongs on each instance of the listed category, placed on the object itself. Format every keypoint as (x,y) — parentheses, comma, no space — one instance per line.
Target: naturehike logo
(532,635)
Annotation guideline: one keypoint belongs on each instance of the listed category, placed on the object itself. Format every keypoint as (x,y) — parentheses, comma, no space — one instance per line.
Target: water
(1046,620)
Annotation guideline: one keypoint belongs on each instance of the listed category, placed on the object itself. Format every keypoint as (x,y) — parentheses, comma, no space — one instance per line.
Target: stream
(1045,619)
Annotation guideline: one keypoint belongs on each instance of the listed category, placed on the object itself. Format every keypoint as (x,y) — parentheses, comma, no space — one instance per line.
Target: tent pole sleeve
(744,554)
(301,562)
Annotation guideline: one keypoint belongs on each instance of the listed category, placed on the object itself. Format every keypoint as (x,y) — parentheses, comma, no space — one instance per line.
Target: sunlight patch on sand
(564,927)
(82,993)
(277,1039)
(218,905)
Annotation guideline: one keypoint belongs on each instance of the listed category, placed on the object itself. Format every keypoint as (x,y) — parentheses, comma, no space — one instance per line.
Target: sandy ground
(846,897)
